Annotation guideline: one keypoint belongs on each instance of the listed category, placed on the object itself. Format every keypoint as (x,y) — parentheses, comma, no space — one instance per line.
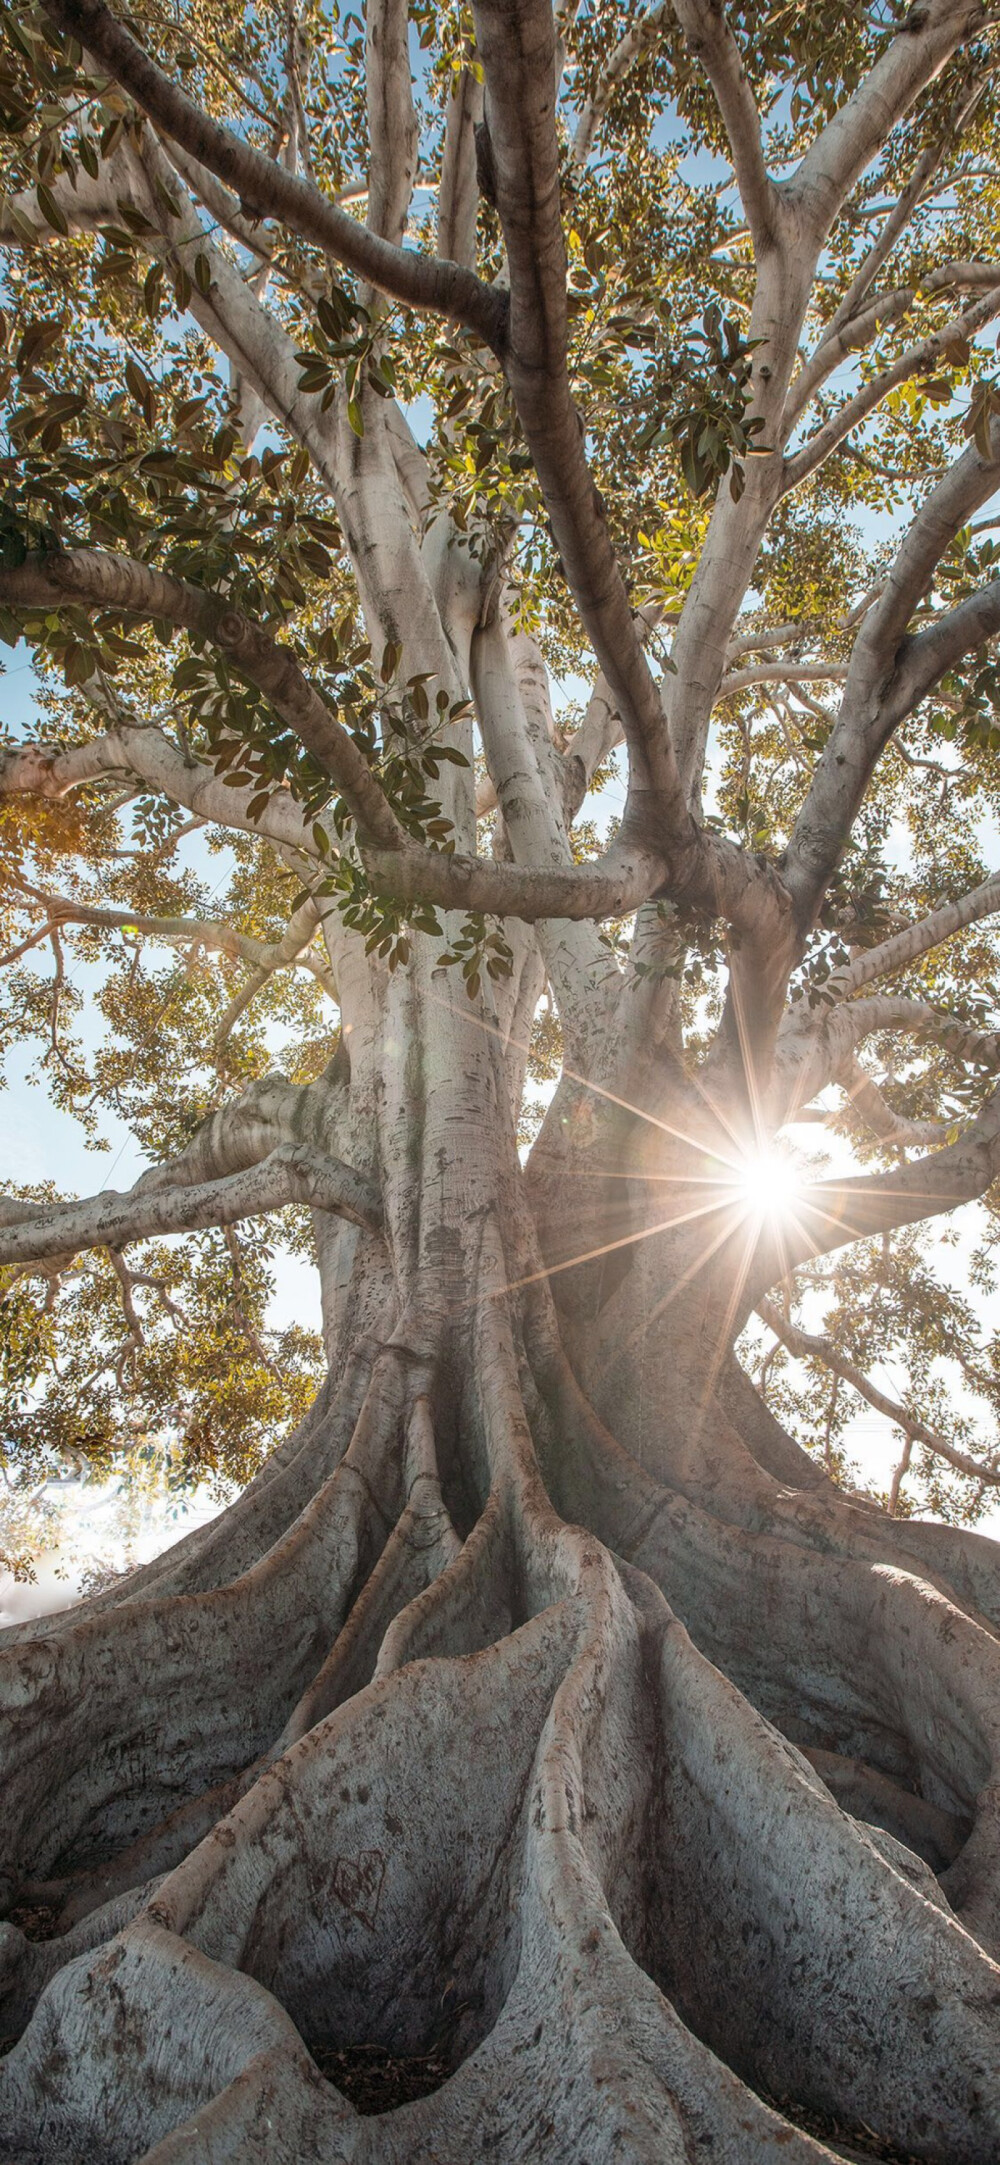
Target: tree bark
(584,1774)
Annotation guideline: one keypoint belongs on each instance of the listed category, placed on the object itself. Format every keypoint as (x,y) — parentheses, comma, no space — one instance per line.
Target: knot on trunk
(230,628)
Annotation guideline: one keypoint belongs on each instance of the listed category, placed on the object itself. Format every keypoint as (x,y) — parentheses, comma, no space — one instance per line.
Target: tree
(542,1712)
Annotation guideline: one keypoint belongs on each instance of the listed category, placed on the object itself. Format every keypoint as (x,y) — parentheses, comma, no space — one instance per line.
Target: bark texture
(654,1792)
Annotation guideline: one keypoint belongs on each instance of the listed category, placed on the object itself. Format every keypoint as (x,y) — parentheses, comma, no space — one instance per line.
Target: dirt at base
(374,2080)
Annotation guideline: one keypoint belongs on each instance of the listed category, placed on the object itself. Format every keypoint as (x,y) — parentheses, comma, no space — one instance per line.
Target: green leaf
(141,389)
(51,211)
(152,290)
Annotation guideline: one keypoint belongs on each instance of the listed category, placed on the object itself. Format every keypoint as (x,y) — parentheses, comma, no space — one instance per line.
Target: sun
(769,1183)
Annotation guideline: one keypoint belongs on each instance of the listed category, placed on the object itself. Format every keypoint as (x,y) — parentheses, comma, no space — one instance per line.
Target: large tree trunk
(539,1715)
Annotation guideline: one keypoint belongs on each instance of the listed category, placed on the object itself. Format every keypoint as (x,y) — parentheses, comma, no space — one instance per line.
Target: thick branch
(458,194)
(968,274)
(713,44)
(898,217)
(831,1213)
(392,122)
(929,655)
(856,1020)
(41,771)
(926,39)
(292,1174)
(522,764)
(823,1051)
(517,46)
(99,580)
(611,887)
(267,189)
(917,939)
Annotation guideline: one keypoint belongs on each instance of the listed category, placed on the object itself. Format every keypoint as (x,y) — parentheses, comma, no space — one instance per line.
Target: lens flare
(769,1183)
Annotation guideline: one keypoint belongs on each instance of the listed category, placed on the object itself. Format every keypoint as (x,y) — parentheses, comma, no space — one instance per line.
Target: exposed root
(501,1936)
(775,1905)
(111,1722)
(934,1835)
(213,1554)
(423,1543)
(480,1803)
(860,1660)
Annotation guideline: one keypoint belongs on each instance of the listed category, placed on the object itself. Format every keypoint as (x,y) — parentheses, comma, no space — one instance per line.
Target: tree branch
(855,1020)
(712,42)
(852,336)
(741,680)
(867,1101)
(881,249)
(887,674)
(293,1173)
(918,360)
(132,748)
(768,636)
(926,39)
(267,189)
(820,1052)
(194,932)
(628,49)
(458,194)
(104,581)
(917,939)
(806,1345)
(928,655)
(392,121)
(899,215)
(612,886)
(516,42)
(522,764)
(972,275)
(829,1214)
